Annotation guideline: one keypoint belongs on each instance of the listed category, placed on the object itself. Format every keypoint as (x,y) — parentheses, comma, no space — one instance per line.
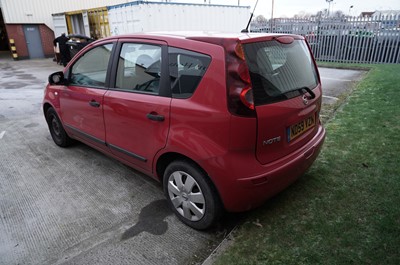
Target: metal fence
(346,39)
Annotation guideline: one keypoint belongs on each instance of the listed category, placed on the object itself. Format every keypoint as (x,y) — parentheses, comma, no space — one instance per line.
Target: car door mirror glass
(57,78)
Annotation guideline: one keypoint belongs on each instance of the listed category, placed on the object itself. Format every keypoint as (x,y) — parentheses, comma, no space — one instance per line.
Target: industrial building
(28,27)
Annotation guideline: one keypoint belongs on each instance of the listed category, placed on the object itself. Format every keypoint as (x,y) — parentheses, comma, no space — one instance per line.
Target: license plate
(298,129)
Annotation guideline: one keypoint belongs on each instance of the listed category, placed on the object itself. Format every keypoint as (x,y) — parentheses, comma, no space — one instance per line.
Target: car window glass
(279,70)
(91,68)
(186,69)
(275,54)
(139,68)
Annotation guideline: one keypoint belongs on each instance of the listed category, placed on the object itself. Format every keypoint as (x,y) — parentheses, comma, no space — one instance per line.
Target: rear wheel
(191,195)
(56,128)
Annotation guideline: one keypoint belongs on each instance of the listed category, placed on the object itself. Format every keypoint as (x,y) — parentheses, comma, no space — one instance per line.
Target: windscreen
(278,71)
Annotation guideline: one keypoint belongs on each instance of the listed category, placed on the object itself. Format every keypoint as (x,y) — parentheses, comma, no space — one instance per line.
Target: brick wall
(16,32)
(47,36)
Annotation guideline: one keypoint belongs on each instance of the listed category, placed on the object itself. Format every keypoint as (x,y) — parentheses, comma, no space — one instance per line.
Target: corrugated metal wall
(39,11)
(153,16)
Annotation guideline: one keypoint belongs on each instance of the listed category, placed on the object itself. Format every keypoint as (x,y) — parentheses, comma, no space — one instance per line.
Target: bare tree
(302,14)
(339,13)
(261,19)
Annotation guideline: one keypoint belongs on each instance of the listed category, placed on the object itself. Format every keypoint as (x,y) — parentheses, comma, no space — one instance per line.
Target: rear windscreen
(279,70)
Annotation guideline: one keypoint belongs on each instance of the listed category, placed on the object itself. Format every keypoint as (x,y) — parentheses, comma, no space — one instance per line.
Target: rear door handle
(94,103)
(155,117)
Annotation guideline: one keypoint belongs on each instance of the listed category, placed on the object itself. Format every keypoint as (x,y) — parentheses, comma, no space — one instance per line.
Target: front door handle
(94,103)
(155,117)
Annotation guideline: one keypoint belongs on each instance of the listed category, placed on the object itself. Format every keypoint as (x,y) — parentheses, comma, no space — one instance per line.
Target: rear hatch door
(287,95)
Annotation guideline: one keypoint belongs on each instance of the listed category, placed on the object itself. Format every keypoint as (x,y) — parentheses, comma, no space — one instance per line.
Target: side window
(91,69)
(186,69)
(139,68)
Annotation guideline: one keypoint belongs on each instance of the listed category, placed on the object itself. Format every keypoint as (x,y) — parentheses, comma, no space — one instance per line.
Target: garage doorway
(3,34)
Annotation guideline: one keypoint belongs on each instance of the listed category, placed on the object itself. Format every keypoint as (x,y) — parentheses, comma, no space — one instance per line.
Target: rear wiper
(307,89)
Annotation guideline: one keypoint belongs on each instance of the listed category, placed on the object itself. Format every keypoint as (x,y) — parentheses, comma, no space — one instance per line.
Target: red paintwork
(75,110)
(128,127)
(228,148)
(274,119)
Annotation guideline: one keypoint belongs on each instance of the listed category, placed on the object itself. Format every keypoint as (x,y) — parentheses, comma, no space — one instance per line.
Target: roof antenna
(246,30)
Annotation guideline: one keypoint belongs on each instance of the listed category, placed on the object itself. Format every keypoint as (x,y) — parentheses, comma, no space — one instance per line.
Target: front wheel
(60,137)
(191,195)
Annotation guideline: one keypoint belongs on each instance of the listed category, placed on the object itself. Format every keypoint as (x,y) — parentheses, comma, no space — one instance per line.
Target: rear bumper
(265,181)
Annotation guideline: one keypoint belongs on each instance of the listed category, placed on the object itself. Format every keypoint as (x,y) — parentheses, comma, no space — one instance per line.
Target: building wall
(17,13)
(161,16)
(47,36)
(40,11)
(16,32)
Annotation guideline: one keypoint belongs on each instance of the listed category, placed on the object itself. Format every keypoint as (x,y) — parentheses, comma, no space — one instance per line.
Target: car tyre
(60,137)
(191,195)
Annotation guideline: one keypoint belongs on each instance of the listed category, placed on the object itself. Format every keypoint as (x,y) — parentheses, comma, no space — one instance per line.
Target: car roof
(206,36)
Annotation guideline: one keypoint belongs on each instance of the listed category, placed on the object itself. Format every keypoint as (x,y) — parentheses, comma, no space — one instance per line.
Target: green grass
(346,209)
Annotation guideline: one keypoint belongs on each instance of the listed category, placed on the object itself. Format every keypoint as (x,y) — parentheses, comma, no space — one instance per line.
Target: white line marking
(337,79)
(2,134)
(330,97)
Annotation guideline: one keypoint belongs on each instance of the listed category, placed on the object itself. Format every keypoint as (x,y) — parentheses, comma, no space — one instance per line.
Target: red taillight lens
(240,92)
(239,51)
(243,72)
(246,96)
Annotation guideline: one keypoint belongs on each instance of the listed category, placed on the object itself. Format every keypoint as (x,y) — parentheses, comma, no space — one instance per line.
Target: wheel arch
(165,159)
(46,107)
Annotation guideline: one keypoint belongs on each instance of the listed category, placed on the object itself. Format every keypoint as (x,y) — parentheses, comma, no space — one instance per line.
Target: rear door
(137,106)
(287,95)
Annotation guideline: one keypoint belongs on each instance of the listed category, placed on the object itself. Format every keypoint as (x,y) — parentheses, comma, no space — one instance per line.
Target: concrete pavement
(336,82)
(76,205)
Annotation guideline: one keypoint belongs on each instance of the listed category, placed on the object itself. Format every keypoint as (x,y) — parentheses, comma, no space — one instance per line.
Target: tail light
(240,91)
(246,96)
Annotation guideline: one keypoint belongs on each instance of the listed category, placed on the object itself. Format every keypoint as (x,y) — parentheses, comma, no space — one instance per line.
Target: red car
(224,121)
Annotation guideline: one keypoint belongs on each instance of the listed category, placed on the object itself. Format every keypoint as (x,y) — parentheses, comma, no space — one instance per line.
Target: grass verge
(346,208)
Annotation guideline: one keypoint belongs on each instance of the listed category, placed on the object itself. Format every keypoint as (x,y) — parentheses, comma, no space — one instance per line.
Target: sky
(288,8)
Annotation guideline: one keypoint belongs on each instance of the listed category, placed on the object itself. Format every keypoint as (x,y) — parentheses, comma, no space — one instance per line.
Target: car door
(81,101)
(137,106)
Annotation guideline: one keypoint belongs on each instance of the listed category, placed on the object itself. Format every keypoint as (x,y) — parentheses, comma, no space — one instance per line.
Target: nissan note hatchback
(222,121)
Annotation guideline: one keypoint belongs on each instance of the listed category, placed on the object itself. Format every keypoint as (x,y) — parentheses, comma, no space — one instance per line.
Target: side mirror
(57,78)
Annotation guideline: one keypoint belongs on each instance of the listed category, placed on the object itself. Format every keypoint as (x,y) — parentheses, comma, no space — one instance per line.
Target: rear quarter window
(186,69)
